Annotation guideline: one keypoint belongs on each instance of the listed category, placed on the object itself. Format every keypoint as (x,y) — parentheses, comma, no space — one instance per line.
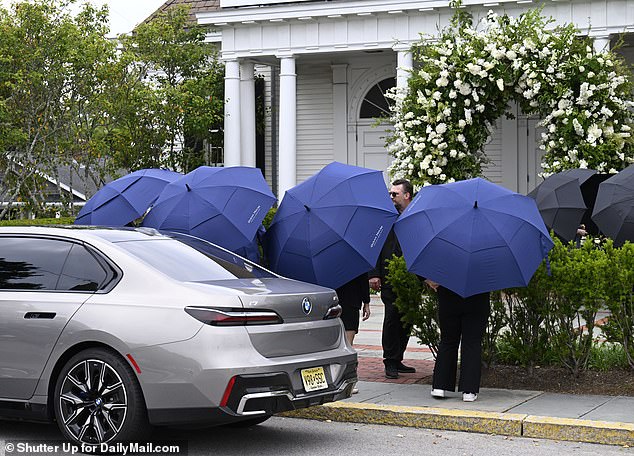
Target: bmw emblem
(307,306)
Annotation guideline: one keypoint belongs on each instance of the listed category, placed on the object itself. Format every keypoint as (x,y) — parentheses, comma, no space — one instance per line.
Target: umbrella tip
(307,208)
(475,205)
(189,189)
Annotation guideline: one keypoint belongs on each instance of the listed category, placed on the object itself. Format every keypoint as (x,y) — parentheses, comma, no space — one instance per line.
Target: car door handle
(41,315)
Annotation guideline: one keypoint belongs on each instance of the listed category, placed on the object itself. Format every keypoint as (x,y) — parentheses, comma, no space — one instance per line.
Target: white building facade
(326,65)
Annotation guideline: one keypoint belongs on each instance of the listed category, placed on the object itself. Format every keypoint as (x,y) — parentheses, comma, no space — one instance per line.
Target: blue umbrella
(473,236)
(225,206)
(252,250)
(331,228)
(126,199)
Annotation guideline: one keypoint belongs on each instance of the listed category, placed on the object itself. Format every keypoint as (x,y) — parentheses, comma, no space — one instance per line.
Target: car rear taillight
(233,317)
(333,312)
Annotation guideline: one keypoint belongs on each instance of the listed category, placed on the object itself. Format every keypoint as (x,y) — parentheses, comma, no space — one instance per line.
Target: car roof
(84,232)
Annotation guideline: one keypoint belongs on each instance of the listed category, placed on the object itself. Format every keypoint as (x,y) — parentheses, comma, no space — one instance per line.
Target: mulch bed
(616,382)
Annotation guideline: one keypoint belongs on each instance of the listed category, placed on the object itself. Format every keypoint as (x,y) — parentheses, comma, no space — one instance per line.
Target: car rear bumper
(256,395)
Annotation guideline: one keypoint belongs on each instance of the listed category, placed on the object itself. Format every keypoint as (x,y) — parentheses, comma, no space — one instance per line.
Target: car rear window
(189,263)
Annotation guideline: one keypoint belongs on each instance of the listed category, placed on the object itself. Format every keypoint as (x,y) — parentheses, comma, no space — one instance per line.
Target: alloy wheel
(93,401)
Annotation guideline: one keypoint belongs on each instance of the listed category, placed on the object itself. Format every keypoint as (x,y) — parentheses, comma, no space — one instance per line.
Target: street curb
(510,424)
(578,430)
(424,417)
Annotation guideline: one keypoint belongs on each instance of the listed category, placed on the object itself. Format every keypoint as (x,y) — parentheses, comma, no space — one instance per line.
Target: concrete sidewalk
(406,401)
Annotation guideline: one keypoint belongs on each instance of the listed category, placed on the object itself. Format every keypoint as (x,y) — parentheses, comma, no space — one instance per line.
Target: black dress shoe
(405,369)
(391,372)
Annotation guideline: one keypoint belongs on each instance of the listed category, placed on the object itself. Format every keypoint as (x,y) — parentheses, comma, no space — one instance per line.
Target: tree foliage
(54,71)
(178,99)
(70,98)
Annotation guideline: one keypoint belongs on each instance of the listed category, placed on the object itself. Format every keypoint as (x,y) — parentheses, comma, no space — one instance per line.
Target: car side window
(82,271)
(31,263)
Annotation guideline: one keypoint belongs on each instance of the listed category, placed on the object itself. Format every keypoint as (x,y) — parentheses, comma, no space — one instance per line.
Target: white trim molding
(330,27)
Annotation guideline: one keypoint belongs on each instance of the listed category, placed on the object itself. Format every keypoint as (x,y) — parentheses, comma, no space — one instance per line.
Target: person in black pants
(462,322)
(395,333)
(353,296)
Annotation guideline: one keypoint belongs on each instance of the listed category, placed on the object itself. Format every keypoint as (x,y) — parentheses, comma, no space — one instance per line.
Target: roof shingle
(195,6)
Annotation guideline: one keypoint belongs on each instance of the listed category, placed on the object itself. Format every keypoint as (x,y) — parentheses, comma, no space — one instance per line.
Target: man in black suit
(395,332)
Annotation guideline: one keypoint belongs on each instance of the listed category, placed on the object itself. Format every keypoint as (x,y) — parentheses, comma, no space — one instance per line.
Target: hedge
(41,221)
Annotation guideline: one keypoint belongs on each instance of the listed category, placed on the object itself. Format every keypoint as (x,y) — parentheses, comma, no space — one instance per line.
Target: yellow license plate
(314,379)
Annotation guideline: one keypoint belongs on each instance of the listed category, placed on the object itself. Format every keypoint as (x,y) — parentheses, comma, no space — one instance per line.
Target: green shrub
(417,302)
(507,353)
(607,356)
(268,218)
(577,295)
(525,339)
(495,324)
(618,285)
(41,221)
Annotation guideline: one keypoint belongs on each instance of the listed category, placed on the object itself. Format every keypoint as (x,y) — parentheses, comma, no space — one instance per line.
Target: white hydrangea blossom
(467,77)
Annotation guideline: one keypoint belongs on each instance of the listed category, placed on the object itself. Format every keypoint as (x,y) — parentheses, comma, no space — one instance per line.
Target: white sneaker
(438,393)
(355,390)
(469,397)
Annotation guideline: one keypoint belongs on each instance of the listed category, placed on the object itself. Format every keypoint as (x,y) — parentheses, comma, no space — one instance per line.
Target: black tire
(249,422)
(97,398)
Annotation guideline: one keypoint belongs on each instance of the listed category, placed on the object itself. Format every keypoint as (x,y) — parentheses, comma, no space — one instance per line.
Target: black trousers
(395,334)
(462,322)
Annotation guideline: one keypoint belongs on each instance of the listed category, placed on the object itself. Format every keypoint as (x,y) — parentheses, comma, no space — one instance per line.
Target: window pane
(375,104)
(82,271)
(233,263)
(31,263)
(185,263)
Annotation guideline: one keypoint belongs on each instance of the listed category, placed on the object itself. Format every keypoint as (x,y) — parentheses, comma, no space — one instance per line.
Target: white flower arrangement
(466,78)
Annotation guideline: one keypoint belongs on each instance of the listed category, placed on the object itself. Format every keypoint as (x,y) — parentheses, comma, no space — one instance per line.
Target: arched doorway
(370,137)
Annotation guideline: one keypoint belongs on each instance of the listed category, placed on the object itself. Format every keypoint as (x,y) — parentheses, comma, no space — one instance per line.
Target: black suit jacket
(390,247)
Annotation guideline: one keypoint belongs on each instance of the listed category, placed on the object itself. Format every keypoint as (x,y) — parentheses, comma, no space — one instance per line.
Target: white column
(601,43)
(232,113)
(340,111)
(247,113)
(404,64)
(287,126)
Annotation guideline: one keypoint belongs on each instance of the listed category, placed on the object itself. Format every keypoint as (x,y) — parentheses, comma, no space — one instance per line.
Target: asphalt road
(297,437)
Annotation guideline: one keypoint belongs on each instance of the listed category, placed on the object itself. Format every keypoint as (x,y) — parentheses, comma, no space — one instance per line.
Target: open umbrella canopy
(473,236)
(331,228)
(614,207)
(589,181)
(560,203)
(222,205)
(126,199)
(581,174)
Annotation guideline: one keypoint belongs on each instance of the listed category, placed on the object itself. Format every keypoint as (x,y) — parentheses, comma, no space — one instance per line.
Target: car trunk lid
(302,307)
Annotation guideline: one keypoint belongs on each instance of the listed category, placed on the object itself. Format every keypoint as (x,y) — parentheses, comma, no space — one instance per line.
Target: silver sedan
(111,331)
